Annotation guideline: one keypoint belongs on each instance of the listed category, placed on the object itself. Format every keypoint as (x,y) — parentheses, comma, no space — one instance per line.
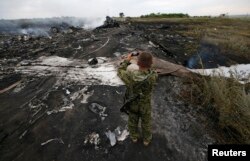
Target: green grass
(227,103)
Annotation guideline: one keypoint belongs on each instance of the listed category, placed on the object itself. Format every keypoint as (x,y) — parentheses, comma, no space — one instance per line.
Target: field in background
(232,35)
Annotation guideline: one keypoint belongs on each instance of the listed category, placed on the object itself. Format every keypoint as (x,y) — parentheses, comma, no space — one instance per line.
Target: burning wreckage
(61,97)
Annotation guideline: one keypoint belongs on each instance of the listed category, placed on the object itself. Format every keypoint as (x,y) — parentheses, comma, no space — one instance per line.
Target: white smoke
(93,23)
(34,32)
(42,26)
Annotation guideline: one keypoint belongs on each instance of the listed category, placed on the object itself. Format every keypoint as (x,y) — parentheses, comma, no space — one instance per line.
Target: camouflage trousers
(146,125)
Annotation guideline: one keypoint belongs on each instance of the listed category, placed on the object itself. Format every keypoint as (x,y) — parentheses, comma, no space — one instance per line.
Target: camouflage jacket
(139,83)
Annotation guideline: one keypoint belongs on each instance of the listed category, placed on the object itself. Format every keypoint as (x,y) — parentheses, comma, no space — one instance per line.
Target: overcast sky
(12,9)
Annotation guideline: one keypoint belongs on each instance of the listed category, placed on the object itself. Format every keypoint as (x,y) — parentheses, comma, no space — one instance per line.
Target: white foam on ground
(82,94)
(68,70)
(241,72)
(54,61)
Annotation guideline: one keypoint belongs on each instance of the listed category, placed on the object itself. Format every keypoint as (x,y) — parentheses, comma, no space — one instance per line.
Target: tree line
(165,15)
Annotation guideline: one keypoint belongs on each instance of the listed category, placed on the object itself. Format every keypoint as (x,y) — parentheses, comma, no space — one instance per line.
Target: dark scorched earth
(56,106)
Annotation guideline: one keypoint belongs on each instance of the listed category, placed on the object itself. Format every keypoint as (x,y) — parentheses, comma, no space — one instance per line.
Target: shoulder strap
(146,79)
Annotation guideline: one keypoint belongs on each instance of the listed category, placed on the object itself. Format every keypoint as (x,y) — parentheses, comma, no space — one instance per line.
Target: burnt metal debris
(92,61)
(109,23)
(54,30)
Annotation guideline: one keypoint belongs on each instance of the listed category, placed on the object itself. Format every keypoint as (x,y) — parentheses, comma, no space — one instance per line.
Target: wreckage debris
(98,109)
(19,87)
(66,105)
(67,92)
(109,23)
(93,139)
(72,70)
(23,134)
(111,137)
(10,87)
(92,61)
(240,72)
(117,135)
(59,140)
(160,46)
(25,63)
(75,29)
(82,94)
(117,54)
(36,103)
(54,30)
(23,38)
(121,135)
(70,106)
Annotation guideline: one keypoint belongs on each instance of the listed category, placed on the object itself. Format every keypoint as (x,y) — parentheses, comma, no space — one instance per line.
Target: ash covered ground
(57,106)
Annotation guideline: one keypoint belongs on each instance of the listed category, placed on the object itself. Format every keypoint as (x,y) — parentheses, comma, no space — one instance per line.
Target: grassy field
(231,34)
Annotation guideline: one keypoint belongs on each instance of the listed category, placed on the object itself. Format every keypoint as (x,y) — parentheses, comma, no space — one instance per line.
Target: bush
(228,103)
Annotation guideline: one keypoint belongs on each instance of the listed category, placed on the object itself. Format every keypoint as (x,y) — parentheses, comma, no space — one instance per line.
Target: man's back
(139,88)
(139,84)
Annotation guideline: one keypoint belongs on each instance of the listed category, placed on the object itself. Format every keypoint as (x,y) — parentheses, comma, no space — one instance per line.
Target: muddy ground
(48,103)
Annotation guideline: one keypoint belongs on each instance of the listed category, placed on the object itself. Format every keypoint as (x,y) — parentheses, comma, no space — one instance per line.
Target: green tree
(121,14)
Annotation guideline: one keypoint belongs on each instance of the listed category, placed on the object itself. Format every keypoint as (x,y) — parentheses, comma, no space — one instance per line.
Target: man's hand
(130,55)
(127,57)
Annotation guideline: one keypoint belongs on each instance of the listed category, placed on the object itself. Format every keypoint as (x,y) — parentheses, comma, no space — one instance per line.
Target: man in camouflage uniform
(139,87)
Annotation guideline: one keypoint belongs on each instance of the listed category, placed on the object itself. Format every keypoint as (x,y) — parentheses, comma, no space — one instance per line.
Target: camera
(135,53)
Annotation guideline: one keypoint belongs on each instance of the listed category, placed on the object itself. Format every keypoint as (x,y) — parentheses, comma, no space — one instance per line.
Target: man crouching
(138,95)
